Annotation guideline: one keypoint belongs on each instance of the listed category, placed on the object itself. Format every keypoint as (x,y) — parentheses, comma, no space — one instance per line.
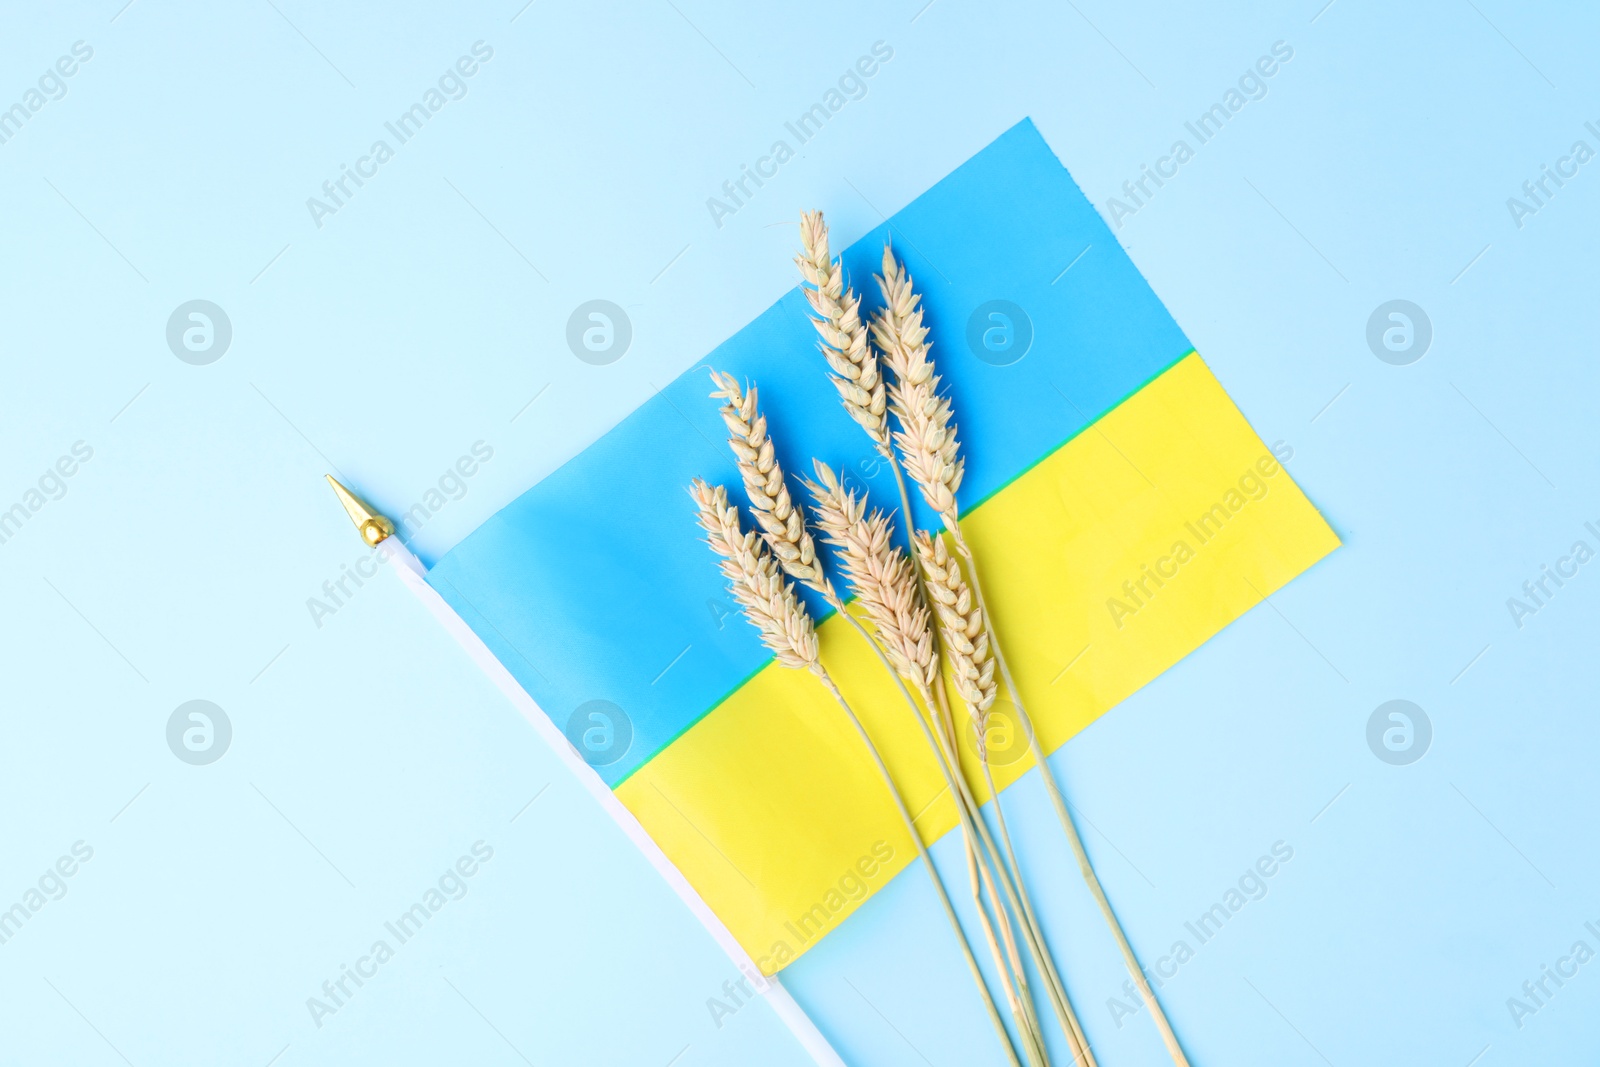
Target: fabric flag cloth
(1121,507)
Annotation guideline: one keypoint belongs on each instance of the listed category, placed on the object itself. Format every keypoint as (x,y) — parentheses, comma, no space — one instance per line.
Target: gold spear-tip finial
(374,527)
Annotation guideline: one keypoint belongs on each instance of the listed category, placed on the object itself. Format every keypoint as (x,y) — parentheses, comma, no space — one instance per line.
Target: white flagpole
(379,532)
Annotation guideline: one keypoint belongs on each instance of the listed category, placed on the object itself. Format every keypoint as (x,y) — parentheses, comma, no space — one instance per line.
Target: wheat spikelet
(770,604)
(844,338)
(881,576)
(926,438)
(961,622)
(782,525)
(768,601)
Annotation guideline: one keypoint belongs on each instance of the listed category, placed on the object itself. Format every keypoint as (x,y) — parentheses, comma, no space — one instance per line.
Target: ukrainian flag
(1121,507)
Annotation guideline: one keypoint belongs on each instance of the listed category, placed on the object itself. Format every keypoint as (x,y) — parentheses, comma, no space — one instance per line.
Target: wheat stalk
(844,343)
(853,361)
(967,643)
(770,605)
(931,454)
(927,437)
(881,576)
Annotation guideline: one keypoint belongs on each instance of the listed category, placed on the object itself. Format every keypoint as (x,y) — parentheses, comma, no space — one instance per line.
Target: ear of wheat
(782,524)
(768,601)
(844,343)
(880,574)
(927,436)
(965,632)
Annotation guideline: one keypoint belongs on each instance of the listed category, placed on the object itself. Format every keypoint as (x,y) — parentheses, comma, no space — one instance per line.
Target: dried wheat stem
(1024,1012)
(966,640)
(770,604)
(1058,801)
(927,862)
(882,579)
(929,451)
(1015,1000)
(1032,931)
(931,454)
(837,318)
(1026,1029)
(855,373)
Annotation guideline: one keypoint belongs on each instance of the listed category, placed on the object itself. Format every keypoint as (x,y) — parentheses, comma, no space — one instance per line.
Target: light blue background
(368,754)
